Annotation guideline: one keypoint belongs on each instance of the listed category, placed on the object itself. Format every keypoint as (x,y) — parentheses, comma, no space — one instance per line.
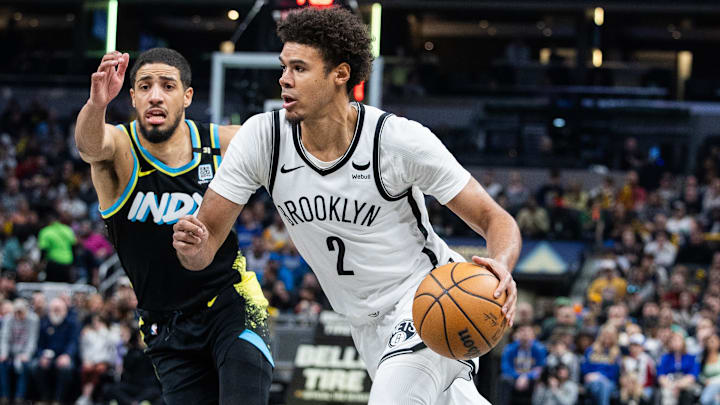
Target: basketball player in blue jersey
(348,181)
(204,330)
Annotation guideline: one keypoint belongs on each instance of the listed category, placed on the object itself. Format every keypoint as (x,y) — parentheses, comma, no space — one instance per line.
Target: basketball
(455,313)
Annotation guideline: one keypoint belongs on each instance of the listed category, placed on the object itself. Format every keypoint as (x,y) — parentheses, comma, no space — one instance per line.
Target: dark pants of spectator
(7,369)
(128,394)
(60,273)
(509,395)
(601,390)
(52,383)
(91,374)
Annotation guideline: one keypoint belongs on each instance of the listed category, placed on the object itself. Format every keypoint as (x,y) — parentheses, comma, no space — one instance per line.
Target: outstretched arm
(196,240)
(94,138)
(474,206)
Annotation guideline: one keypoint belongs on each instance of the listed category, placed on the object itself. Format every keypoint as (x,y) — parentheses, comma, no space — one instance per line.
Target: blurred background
(595,123)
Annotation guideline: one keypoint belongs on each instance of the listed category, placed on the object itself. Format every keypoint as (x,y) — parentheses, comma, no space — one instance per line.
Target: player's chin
(294,117)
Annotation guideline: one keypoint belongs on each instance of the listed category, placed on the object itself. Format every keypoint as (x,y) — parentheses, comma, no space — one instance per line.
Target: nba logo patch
(402,332)
(205,173)
(153,329)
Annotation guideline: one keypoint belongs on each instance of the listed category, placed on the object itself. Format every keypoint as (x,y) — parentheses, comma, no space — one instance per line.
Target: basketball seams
(447,340)
(469,320)
(477,296)
(422,320)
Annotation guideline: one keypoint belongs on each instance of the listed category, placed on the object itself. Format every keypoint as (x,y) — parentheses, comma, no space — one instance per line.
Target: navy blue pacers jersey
(140,225)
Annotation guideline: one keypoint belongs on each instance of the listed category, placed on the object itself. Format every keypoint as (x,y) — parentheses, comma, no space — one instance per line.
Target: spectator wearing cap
(564,320)
(609,286)
(695,250)
(677,373)
(18,341)
(637,375)
(601,366)
(710,371)
(521,365)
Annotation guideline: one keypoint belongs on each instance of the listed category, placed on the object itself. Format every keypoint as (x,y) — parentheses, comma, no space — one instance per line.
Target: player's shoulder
(400,130)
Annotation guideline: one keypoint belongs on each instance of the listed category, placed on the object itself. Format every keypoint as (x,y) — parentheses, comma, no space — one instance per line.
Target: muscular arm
(198,239)
(474,206)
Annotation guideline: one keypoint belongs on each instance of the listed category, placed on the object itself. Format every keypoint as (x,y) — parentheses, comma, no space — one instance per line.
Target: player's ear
(132,96)
(188,97)
(342,73)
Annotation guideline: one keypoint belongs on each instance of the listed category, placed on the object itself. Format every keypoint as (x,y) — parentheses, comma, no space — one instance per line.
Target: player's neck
(176,151)
(328,136)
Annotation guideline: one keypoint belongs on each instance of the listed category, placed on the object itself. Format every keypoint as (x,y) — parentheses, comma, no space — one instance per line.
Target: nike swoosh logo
(142,174)
(284,170)
(361,167)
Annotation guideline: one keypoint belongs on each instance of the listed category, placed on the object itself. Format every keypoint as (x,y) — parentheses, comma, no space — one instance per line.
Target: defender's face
(306,86)
(159,100)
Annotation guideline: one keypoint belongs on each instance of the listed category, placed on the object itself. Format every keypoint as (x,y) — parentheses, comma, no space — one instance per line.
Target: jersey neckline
(159,165)
(297,139)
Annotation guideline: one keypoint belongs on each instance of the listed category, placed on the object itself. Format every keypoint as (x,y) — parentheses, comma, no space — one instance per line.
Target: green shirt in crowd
(57,241)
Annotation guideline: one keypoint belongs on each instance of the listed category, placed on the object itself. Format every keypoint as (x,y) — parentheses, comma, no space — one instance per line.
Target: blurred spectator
(98,352)
(629,250)
(292,266)
(18,341)
(680,222)
(39,304)
(604,193)
(677,373)
(533,220)
(551,192)
(247,228)
(667,190)
(632,196)
(524,313)
(600,367)
(555,387)
(560,355)
(490,184)
(632,157)
(53,368)
(637,375)
(522,362)
(564,320)
(684,315)
(276,235)
(662,249)
(691,197)
(695,250)
(517,193)
(257,256)
(710,371)
(56,240)
(609,286)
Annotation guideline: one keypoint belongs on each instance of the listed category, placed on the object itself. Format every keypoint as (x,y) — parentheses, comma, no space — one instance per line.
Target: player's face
(307,86)
(159,100)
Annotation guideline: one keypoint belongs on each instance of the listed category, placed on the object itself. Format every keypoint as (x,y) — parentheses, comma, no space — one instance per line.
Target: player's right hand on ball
(189,236)
(108,80)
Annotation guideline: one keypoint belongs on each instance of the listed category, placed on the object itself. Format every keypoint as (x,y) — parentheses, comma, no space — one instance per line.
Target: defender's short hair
(166,56)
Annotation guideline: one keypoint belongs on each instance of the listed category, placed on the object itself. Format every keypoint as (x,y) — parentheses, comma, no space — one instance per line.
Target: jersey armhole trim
(376,162)
(215,144)
(275,150)
(129,187)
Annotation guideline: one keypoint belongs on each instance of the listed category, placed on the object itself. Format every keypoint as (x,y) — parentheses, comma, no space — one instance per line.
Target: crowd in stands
(645,330)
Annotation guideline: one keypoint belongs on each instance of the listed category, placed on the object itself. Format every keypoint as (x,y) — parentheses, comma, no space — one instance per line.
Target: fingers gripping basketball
(455,312)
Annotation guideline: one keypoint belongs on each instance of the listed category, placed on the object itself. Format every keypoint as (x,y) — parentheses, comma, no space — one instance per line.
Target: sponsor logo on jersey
(403,331)
(167,210)
(361,167)
(284,170)
(205,173)
(328,208)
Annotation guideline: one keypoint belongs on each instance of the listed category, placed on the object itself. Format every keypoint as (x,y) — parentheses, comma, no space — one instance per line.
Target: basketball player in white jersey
(348,181)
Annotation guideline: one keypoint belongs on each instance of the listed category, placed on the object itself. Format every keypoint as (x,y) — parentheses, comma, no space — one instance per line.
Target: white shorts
(393,335)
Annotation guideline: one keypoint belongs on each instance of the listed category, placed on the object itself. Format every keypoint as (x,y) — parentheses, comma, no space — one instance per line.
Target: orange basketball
(455,313)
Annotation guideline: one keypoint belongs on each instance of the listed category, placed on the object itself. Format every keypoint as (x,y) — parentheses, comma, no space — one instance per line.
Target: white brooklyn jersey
(361,222)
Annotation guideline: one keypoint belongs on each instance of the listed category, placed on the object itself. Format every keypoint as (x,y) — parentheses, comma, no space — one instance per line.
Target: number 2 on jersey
(331,241)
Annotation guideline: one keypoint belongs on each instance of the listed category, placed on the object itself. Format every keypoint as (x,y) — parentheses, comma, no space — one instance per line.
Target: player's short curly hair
(166,56)
(339,35)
